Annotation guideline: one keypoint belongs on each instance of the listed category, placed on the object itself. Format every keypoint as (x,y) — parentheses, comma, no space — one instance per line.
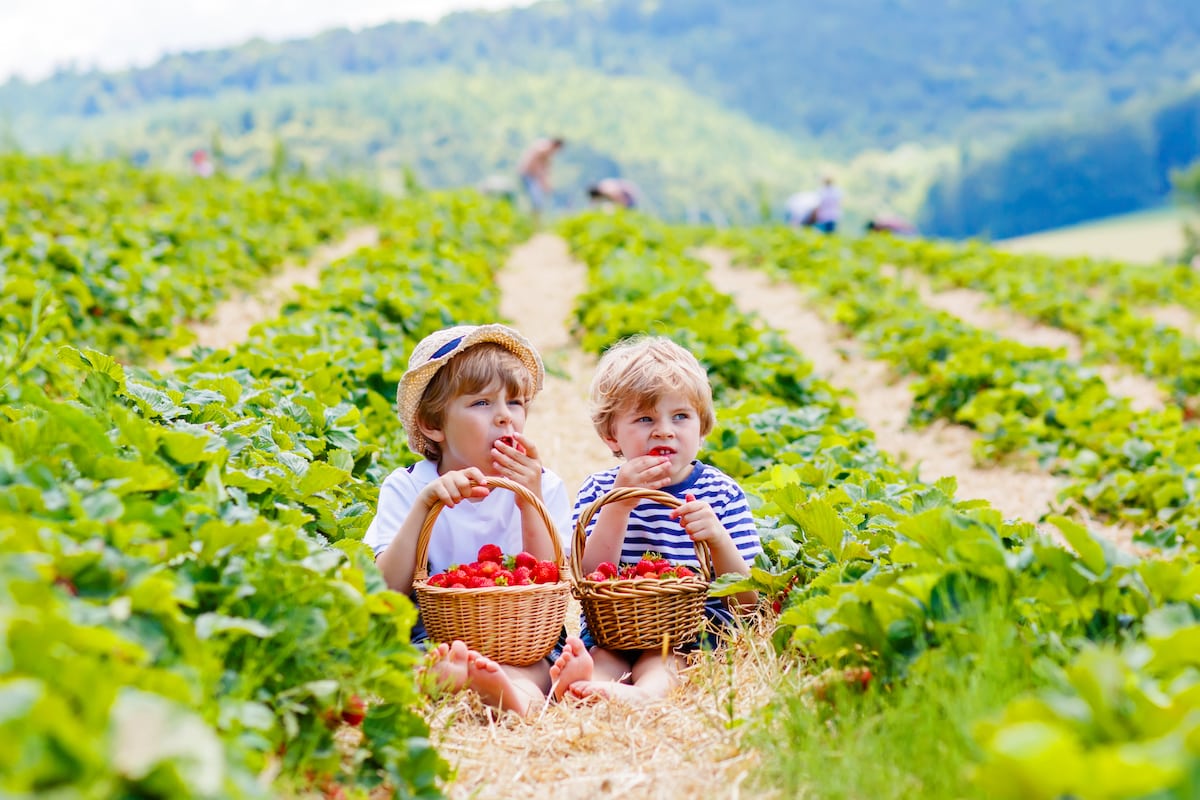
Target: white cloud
(37,36)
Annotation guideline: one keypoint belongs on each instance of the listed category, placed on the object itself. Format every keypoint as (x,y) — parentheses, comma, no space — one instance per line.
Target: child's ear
(432,434)
(613,446)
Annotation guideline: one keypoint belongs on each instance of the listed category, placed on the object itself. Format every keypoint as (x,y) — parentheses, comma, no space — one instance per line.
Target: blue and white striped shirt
(652,529)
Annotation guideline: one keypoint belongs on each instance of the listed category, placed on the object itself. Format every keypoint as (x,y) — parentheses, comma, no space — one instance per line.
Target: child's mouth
(511,441)
(662,451)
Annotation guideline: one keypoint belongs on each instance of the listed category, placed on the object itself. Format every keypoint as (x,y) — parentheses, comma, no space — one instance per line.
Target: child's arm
(398,561)
(519,463)
(605,540)
(702,524)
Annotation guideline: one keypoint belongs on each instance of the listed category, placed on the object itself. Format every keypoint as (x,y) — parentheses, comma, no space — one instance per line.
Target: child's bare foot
(610,690)
(450,666)
(495,686)
(575,664)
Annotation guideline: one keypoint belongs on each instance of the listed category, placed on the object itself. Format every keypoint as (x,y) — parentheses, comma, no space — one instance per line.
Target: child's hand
(644,472)
(455,486)
(518,462)
(700,521)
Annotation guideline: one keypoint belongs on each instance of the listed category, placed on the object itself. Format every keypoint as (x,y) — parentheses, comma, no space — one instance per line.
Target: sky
(38,36)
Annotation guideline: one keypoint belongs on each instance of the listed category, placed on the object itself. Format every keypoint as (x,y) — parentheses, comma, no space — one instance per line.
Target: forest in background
(896,95)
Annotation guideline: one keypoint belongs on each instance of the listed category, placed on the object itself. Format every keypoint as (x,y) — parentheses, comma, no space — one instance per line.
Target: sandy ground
(974,308)
(538,290)
(232,320)
(883,400)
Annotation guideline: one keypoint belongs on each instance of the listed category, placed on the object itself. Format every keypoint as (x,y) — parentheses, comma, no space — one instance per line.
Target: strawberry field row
(108,256)
(889,572)
(1143,467)
(1067,295)
(187,611)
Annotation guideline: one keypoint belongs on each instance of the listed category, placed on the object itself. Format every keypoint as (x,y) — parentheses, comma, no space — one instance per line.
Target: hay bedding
(682,746)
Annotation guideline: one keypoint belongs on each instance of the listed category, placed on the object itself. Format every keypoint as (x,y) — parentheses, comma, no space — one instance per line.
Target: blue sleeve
(735,515)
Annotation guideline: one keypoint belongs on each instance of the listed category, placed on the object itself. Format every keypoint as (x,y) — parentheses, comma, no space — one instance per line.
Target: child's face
(472,424)
(671,428)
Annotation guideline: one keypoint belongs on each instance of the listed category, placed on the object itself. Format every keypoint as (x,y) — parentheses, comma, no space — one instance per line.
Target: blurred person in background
(890,223)
(202,163)
(615,191)
(829,206)
(534,169)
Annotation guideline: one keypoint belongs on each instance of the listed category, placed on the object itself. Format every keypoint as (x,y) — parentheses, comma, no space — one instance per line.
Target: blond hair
(472,370)
(636,372)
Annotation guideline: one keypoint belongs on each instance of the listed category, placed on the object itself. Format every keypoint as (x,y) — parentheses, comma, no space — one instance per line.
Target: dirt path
(883,401)
(232,320)
(973,308)
(538,289)
(678,748)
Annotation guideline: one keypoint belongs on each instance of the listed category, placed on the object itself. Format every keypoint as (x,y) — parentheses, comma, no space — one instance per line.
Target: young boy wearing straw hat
(462,400)
(652,405)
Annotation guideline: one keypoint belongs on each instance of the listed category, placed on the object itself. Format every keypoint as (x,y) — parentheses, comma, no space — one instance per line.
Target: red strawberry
(645,568)
(545,572)
(489,569)
(596,576)
(523,576)
(441,579)
(511,441)
(525,559)
(858,677)
(491,552)
(684,571)
(607,568)
(354,711)
(663,565)
(478,582)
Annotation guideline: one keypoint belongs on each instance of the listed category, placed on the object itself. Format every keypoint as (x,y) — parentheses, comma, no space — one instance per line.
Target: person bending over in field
(652,405)
(463,402)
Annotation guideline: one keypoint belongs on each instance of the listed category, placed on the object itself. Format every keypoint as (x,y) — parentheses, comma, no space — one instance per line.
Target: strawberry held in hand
(511,441)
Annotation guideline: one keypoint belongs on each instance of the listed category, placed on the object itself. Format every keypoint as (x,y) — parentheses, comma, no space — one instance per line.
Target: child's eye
(480,402)
(642,419)
(682,415)
(517,402)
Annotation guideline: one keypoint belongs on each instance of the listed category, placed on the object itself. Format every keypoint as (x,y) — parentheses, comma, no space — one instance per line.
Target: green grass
(912,739)
(1140,237)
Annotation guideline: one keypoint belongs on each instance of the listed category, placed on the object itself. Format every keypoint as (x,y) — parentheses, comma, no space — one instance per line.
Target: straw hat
(436,349)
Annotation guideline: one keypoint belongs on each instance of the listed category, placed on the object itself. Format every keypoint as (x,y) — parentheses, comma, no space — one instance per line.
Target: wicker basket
(516,625)
(639,614)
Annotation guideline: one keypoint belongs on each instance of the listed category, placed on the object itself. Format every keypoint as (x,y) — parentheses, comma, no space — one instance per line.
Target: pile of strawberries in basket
(493,568)
(651,566)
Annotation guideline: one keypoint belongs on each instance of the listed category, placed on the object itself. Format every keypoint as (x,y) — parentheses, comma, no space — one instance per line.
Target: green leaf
(1089,549)
(321,476)
(210,624)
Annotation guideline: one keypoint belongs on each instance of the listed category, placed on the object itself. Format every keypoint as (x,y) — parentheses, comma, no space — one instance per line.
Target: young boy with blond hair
(651,403)
(463,402)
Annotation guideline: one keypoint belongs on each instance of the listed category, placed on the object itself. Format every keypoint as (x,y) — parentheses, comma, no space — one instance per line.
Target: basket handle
(421,564)
(617,495)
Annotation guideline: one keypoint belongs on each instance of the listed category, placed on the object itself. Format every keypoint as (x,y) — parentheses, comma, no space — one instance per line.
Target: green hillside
(697,101)
(692,157)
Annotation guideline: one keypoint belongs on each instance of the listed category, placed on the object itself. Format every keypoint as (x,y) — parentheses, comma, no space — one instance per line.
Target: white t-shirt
(460,531)
(829,204)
